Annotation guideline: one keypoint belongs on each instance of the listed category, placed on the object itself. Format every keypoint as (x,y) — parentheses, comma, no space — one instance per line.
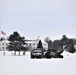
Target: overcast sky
(33,18)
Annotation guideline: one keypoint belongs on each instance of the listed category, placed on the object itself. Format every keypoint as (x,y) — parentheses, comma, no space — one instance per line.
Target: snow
(23,65)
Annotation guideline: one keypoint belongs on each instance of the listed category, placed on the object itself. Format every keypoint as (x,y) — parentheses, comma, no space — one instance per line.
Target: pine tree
(40,44)
(16,43)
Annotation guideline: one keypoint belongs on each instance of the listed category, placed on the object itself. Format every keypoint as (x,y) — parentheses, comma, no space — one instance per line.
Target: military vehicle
(36,53)
(53,53)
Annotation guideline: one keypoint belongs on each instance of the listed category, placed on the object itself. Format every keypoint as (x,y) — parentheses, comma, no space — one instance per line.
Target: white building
(3,44)
(32,44)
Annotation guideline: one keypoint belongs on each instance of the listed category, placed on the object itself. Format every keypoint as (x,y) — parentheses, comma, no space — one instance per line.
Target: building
(3,44)
(32,44)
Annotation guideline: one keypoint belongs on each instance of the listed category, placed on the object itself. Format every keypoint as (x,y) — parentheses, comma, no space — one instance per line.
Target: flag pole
(1,32)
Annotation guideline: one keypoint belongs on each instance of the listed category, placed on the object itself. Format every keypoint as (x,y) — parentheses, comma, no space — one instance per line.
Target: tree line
(68,44)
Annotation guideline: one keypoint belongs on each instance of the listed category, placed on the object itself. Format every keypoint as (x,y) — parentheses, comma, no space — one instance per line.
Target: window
(33,44)
(6,43)
(3,43)
(6,48)
(3,47)
(30,44)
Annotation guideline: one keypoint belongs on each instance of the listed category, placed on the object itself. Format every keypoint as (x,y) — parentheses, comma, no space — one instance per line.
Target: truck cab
(36,53)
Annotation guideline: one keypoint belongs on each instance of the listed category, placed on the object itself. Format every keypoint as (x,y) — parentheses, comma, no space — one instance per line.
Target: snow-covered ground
(23,65)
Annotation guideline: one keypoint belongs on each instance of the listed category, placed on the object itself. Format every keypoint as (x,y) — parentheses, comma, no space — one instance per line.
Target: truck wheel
(60,56)
(32,57)
(47,56)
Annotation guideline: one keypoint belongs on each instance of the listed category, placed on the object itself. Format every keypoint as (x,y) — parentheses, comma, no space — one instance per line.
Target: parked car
(36,53)
(53,53)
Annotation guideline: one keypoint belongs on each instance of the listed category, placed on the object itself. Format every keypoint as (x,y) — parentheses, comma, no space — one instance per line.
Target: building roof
(5,41)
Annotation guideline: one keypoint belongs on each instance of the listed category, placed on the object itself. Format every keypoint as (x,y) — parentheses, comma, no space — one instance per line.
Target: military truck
(53,53)
(37,53)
